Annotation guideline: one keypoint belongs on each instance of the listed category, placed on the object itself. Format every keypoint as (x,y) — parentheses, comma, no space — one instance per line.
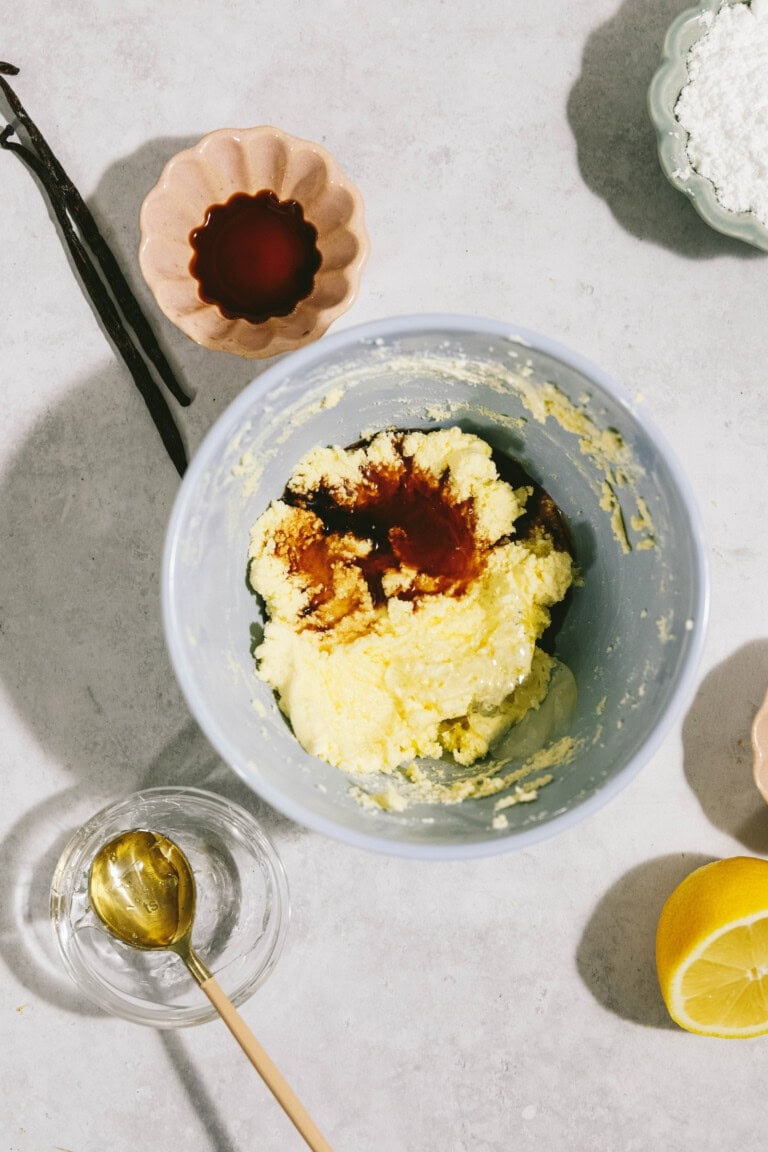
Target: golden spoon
(142,889)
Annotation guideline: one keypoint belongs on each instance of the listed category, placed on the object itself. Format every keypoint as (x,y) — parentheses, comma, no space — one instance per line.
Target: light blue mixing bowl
(632,635)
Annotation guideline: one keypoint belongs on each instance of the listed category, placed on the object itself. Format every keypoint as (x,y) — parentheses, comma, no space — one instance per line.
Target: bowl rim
(671,138)
(222,432)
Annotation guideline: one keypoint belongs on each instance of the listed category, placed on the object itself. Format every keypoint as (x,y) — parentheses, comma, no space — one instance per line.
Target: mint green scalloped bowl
(672,139)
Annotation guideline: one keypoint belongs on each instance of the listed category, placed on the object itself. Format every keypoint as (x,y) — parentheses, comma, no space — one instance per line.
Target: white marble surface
(508,169)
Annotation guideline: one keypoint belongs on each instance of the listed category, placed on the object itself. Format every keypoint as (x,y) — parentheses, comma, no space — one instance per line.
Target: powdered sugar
(724,106)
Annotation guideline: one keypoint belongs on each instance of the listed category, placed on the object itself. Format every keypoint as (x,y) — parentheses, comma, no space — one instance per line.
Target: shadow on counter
(199,1098)
(28,857)
(616,142)
(83,507)
(718,750)
(616,956)
(84,503)
(213,378)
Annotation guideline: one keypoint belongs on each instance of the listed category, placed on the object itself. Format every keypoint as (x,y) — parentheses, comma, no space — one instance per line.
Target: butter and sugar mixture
(406,587)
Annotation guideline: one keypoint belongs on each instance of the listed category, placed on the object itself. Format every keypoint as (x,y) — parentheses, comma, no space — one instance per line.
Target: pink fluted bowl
(249,160)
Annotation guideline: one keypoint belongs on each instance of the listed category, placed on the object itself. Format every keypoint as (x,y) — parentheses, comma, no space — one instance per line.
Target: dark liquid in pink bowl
(255,256)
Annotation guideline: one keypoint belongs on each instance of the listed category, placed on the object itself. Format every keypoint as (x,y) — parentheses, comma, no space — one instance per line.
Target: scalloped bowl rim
(323,317)
(671,137)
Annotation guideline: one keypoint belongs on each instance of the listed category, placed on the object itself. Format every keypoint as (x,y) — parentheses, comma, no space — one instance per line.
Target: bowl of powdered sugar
(709,104)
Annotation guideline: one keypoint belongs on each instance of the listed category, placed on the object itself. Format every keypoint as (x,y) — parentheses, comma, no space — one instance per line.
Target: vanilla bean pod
(105,307)
(91,234)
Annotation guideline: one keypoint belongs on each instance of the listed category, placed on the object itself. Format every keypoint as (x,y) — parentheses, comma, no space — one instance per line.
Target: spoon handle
(270,1074)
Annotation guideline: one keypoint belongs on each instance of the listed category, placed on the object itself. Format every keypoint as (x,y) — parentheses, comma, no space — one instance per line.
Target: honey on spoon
(142,888)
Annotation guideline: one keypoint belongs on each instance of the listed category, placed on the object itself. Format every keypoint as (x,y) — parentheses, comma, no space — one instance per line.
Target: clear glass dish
(240,922)
(671,137)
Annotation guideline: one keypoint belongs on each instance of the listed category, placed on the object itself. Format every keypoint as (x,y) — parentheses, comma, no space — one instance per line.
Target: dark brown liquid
(255,256)
(410,520)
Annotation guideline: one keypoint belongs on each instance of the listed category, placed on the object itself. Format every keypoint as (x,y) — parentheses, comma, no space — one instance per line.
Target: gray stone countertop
(508,169)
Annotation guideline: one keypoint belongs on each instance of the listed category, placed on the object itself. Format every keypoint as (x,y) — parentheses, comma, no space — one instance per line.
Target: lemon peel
(712,949)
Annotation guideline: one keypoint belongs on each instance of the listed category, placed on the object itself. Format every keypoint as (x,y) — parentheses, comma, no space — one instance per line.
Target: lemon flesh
(712,949)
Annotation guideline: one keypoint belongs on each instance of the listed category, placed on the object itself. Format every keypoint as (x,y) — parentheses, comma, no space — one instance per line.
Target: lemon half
(712,949)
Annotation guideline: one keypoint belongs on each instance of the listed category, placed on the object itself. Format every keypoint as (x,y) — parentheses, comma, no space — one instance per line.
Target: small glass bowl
(240,921)
(672,138)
